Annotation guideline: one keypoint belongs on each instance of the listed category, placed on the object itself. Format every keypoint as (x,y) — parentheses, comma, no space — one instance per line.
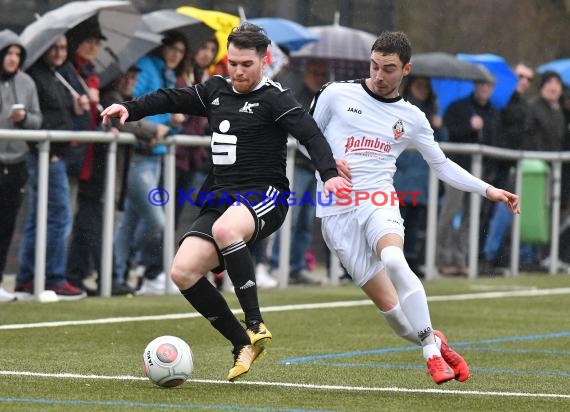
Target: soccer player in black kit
(250,117)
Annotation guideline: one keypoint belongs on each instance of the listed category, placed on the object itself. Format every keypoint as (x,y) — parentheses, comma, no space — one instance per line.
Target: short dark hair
(394,42)
(249,36)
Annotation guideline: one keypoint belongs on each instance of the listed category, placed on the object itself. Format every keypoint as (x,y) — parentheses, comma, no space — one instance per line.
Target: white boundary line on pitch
(298,385)
(285,308)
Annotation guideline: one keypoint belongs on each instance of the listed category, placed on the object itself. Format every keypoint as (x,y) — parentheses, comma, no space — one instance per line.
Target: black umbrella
(444,65)
(165,20)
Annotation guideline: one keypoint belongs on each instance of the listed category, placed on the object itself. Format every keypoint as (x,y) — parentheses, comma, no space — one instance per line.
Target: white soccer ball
(168,361)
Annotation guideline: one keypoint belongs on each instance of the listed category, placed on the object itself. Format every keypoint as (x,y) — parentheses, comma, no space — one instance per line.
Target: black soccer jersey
(249,130)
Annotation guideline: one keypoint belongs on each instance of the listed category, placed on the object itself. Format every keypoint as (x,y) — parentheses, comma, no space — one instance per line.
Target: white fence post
(41,218)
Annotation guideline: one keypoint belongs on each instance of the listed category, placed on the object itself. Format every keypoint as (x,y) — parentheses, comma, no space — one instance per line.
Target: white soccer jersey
(370,132)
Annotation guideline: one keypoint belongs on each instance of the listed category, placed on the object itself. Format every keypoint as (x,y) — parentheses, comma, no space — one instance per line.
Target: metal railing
(44,137)
(477,153)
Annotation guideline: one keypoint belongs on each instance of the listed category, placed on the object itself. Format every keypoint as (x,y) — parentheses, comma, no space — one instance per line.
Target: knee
(184,277)
(393,258)
(223,234)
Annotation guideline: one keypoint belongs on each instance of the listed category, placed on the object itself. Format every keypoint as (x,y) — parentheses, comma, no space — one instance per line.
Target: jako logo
(353,110)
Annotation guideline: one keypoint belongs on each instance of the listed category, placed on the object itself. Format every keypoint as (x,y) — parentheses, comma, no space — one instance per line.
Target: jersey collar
(375,96)
(261,83)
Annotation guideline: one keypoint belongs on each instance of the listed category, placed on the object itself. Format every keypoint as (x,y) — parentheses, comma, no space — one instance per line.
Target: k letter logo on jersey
(398,129)
(247,107)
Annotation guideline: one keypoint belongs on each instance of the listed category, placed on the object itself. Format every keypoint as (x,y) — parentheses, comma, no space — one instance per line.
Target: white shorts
(353,236)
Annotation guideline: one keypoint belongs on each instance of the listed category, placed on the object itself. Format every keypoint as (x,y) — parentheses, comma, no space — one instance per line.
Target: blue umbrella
(286,33)
(560,66)
(505,82)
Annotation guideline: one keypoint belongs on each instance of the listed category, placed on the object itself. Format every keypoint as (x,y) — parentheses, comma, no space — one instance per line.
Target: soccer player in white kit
(368,124)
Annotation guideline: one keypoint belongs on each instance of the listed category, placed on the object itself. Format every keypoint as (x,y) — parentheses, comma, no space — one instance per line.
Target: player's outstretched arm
(115,110)
(500,195)
(335,184)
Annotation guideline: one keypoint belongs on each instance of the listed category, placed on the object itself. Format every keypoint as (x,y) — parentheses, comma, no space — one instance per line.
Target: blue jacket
(154,75)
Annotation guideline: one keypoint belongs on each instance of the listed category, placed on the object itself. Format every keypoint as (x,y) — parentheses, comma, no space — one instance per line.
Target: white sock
(397,320)
(411,294)
(430,350)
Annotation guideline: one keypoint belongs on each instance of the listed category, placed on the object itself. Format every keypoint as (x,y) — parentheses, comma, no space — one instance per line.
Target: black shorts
(266,205)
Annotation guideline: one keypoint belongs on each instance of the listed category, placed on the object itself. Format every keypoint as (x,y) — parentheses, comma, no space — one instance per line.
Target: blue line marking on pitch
(148,404)
(421,367)
(533,351)
(317,359)
(307,359)
(514,339)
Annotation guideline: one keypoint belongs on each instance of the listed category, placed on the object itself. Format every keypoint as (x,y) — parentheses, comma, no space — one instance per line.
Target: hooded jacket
(16,87)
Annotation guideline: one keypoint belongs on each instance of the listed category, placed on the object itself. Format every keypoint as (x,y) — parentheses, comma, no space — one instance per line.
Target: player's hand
(335,184)
(115,110)
(500,195)
(343,169)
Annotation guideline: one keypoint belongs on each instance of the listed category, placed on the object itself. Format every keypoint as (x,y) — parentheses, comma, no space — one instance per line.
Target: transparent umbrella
(119,20)
(347,50)
(112,62)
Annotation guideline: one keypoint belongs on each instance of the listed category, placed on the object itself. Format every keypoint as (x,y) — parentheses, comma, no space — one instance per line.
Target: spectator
(57,106)
(19,109)
(515,124)
(547,126)
(86,162)
(304,87)
(140,169)
(193,163)
(546,132)
(157,70)
(469,120)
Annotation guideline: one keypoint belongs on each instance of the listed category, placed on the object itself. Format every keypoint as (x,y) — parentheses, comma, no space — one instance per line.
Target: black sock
(240,269)
(206,299)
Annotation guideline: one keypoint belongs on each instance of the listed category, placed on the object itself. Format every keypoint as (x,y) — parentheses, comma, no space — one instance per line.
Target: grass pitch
(331,352)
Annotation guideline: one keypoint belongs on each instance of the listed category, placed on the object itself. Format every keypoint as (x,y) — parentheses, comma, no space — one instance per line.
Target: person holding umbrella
(250,117)
(19,109)
(58,108)
(86,162)
(156,70)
